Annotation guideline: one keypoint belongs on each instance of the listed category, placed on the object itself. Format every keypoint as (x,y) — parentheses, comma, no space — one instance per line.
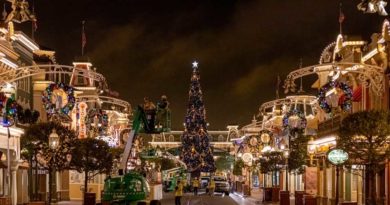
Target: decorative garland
(347,102)
(50,106)
(10,105)
(97,116)
(111,141)
(254,142)
(302,119)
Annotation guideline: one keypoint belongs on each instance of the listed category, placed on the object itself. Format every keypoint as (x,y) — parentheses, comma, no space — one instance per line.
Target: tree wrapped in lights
(364,136)
(36,147)
(92,156)
(196,151)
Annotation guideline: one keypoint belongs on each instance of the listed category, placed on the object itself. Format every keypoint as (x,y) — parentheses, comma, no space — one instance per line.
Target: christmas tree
(196,151)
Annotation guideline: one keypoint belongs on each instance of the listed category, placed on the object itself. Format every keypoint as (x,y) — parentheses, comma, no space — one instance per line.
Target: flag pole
(82,37)
(277,86)
(341,18)
(32,22)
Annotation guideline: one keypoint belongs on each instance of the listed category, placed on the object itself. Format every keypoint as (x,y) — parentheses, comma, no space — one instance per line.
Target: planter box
(349,203)
(37,203)
(5,201)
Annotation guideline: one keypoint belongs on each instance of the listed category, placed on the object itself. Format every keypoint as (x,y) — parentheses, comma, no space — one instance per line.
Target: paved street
(201,199)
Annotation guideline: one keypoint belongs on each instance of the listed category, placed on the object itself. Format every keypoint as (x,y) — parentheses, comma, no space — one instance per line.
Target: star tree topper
(194,64)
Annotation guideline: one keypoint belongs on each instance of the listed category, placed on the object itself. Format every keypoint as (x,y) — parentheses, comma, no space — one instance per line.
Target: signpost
(337,157)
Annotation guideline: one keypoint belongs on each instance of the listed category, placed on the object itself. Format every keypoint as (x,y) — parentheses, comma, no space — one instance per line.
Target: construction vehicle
(130,187)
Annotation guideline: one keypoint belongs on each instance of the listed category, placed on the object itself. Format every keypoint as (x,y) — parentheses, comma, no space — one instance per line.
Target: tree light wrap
(196,151)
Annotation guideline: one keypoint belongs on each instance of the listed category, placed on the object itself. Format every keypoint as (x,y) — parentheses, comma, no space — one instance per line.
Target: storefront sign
(337,156)
(82,114)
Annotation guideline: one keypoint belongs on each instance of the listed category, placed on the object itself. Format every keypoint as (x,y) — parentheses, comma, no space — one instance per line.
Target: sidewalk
(255,198)
(70,202)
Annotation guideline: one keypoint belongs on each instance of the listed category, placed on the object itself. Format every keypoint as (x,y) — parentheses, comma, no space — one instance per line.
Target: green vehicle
(132,186)
(125,189)
(171,177)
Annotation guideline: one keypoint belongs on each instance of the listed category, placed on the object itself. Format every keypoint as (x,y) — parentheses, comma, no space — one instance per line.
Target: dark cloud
(145,47)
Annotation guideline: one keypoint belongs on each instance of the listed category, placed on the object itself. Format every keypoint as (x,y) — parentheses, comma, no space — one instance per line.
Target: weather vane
(373,6)
(20,12)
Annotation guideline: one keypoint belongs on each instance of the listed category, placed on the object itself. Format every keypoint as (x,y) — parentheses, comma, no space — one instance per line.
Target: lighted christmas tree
(196,151)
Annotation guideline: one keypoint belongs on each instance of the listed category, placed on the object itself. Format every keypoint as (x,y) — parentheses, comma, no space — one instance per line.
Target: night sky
(146,47)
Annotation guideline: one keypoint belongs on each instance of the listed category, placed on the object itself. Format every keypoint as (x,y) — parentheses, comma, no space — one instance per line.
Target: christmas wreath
(58,98)
(98,119)
(299,124)
(347,98)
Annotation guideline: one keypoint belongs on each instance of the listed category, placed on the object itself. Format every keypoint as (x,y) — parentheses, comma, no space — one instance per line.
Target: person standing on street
(178,193)
(195,185)
(211,187)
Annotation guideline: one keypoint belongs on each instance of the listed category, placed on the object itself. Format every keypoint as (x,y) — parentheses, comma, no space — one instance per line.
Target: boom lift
(132,186)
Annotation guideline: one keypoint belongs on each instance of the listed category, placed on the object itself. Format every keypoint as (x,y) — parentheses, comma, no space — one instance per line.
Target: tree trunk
(30,180)
(50,186)
(36,188)
(372,188)
(85,184)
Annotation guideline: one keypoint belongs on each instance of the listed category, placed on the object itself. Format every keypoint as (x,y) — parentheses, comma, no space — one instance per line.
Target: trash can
(349,203)
(267,194)
(299,197)
(89,198)
(36,203)
(155,202)
(275,194)
(284,198)
(309,200)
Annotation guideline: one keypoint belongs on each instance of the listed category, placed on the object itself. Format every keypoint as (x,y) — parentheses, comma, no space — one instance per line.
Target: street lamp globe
(54,140)
(68,158)
(286,153)
(265,138)
(266,149)
(158,152)
(311,147)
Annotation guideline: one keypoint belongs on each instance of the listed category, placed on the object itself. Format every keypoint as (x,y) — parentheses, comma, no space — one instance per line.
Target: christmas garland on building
(301,117)
(255,143)
(10,105)
(346,105)
(52,105)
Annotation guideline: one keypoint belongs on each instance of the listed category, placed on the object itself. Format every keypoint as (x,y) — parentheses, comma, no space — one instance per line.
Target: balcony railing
(329,126)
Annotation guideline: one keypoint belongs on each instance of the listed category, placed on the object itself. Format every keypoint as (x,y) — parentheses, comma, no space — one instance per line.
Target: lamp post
(8,122)
(311,149)
(54,142)
(286,155)
(265,138)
